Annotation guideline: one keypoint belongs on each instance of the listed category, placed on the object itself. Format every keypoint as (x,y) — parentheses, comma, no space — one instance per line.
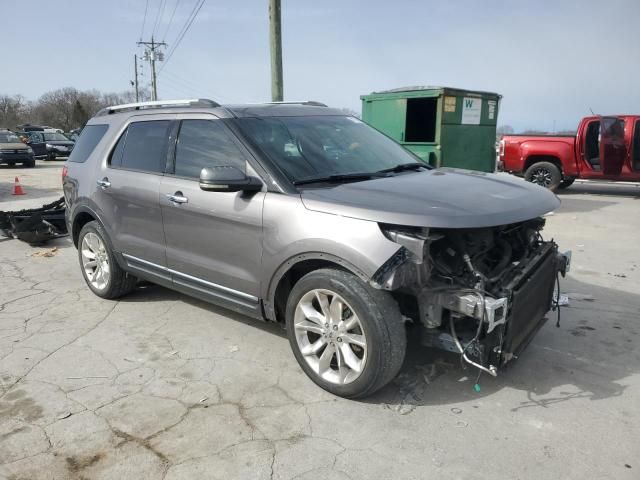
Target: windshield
(320,146)
(9,138)
(54,137)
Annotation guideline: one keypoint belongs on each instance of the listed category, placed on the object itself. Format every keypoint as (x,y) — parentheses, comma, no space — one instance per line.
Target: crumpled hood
(439,198)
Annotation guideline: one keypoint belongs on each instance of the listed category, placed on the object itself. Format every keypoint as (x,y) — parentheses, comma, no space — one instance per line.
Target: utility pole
(152,53)
(275,42)
(135,68)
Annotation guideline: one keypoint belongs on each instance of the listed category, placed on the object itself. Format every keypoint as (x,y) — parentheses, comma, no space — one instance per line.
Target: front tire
(566,182)
(30,164)
(99,268)
(545,174)
(348,337)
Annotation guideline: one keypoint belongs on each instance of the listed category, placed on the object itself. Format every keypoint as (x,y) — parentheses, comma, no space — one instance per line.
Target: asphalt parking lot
(159,385)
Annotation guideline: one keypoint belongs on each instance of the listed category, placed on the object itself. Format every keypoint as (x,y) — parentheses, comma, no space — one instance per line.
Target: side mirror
(227,179)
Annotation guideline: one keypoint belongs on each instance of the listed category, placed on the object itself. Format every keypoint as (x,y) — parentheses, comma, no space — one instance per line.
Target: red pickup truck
(604,148)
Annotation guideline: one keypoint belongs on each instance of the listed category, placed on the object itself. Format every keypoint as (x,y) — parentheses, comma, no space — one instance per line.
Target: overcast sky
(551,60)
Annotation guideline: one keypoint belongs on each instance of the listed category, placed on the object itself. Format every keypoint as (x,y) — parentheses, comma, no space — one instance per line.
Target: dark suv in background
(299,214)
(49,145)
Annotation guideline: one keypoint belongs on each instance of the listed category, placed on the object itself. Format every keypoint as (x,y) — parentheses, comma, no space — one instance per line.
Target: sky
(553,61)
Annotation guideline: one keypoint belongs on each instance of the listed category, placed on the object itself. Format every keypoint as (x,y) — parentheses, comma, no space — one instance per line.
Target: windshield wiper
(341,177)
(403,167)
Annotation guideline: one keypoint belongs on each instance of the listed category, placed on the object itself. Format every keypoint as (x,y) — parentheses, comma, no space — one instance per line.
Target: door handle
(104,183)
(177,198)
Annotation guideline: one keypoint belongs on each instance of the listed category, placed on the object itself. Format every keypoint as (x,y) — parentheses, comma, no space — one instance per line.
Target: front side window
(318,146)
(35,138)
(143,146)
(205,143)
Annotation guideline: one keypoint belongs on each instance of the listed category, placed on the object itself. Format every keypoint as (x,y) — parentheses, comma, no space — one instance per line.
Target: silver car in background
(299,214)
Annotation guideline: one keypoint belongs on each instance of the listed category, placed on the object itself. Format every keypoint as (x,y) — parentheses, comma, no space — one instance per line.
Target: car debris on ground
(35,226)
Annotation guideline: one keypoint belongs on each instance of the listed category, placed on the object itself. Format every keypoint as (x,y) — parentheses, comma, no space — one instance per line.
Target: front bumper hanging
(37,225)
(508,323)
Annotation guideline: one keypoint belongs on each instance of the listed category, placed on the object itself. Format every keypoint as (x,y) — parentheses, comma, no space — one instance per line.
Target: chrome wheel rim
(330,336)
(95,261)
(542,177)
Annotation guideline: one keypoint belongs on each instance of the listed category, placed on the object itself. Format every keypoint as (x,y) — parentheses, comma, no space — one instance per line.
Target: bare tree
(504,130)
(14,110)
(65,108)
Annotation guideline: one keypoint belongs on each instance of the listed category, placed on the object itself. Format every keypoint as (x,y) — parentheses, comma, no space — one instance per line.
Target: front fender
(293,234)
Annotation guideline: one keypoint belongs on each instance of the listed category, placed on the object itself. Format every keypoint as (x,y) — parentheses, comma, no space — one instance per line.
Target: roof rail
(193,102)
(300,102)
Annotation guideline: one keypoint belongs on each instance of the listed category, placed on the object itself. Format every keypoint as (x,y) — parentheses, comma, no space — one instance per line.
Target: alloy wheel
(330,336)
(95,261)
(542,177)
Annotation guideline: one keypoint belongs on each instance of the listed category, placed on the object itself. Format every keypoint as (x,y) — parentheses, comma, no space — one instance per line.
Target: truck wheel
(566,182)
(30,164)
(99,268)
(348,337)
(545,174)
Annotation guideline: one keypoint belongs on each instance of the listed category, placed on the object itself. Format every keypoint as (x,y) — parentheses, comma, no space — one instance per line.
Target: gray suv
(299,214)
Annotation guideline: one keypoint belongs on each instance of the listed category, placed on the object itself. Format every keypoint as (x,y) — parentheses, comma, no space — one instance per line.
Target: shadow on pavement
(608,189)
(588,355)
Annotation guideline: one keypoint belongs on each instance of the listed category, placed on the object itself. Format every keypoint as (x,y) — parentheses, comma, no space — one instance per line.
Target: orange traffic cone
(17,188)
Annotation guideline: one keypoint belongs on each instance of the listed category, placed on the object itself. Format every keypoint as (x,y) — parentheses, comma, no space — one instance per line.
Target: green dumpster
(446,127)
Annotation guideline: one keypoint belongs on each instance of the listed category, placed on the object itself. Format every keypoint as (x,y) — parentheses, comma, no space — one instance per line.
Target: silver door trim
(192,278)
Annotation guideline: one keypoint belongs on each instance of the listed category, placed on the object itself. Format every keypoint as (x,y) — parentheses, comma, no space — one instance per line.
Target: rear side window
(87,142)
(205,143)
(144,147)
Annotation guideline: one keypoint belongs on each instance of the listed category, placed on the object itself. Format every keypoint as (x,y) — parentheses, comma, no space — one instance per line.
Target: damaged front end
(479,292)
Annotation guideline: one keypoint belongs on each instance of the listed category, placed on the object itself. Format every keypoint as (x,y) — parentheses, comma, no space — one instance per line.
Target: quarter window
(205,143)
(144,146)
(91,135)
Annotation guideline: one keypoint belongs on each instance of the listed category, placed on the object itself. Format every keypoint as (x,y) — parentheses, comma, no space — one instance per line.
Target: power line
(158,16)
(175,7)
(167,85)
(182,89)
(184,31)
(167,74)
(144,20)
(176,79)
(187,24)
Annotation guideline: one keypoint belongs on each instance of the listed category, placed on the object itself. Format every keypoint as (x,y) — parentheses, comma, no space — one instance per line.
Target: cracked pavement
(162,386)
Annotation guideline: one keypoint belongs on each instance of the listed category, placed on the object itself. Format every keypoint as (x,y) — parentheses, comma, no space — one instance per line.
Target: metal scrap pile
(36,225)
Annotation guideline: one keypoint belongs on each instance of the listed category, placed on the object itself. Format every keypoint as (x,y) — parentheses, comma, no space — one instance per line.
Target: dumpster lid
(418,88)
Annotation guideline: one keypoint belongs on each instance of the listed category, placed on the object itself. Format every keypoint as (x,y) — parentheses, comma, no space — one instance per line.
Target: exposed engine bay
(481,292)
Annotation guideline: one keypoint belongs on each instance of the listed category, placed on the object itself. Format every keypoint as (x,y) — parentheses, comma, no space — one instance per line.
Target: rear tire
(545,174)
(566,182)
(99,267)
(365,330)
